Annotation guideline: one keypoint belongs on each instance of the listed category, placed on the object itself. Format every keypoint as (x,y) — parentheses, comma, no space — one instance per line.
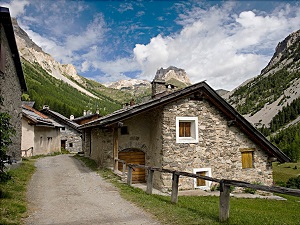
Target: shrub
(293,182)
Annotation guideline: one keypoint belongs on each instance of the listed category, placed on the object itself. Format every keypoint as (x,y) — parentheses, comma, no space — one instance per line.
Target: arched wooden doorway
(134,156)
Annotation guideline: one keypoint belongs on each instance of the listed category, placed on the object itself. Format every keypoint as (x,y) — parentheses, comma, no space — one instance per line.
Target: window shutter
(247,161)
(181,129)
(187,129)
(201,182)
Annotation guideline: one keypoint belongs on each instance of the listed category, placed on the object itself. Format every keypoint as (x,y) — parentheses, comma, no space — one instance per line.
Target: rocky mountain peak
(21,34)
(172,72)
(283,50)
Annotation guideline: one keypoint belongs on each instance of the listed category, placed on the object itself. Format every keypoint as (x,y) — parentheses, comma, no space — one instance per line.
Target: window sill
(186,140)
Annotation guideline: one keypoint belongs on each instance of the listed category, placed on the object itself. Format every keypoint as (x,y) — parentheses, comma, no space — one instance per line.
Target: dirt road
(63,191)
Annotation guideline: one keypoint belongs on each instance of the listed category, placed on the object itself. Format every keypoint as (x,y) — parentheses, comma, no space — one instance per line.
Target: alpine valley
(270,101)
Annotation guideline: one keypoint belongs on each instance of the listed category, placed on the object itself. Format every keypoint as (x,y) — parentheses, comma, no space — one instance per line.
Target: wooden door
(201,182)
(136,157)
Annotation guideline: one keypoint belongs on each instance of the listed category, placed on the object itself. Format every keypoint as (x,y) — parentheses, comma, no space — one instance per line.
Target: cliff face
(173,72)
(283,51)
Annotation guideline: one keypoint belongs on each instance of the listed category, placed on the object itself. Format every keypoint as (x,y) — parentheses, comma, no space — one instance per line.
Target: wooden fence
(224,186)
(26,152)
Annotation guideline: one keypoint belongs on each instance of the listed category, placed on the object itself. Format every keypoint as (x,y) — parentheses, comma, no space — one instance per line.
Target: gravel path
(63,191)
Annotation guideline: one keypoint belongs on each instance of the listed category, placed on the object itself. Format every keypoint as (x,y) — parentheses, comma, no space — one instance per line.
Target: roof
(199,90)
(86,117)
(5,20)
(61,119)
(38,118)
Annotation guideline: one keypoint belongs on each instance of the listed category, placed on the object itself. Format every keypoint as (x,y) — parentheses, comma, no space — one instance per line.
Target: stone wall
(218,147)
(72,137)
(11,93)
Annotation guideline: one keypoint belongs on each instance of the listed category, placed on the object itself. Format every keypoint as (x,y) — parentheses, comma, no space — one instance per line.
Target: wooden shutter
(184,129)
(247,159)
(201,182)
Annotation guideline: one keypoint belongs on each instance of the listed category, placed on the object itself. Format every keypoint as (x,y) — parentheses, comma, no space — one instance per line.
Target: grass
(13,193)
(282,172)
(205,209)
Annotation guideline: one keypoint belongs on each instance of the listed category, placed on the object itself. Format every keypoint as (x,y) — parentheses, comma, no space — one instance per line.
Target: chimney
(97,111)
(158,87)
(84,112)
(72,117)
(46,107)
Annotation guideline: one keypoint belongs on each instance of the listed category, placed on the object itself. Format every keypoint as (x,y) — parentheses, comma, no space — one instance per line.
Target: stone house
(70,135)
(39,132)
(192,130)
(12,81)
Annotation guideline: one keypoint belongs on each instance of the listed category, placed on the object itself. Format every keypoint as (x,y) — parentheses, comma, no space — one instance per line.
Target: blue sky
(222,42)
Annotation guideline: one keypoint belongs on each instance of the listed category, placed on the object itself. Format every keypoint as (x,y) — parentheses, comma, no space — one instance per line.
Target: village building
(41,135)
(12,81)
(70,135)
(192,130)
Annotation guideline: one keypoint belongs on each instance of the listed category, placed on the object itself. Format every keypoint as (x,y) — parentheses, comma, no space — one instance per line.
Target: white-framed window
(200,183)
(186,129)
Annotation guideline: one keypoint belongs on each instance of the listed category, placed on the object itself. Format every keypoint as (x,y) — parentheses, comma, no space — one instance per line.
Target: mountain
(262,97)
(59,93)
(34,54)
(271,100)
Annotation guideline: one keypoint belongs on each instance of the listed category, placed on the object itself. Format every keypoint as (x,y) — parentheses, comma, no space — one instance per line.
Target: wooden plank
(281,190)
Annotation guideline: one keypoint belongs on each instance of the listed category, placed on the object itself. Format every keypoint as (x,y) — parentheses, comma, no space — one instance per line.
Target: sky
(222,42)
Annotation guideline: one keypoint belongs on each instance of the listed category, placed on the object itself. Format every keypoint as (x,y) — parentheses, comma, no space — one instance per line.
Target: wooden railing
(124,165)
(26,150)
(224,186)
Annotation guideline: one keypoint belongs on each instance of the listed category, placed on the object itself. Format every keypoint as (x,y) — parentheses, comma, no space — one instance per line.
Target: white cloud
(16,7)
(219,46)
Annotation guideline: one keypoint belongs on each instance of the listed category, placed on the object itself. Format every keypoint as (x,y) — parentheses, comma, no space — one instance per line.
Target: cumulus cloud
(219,46)
(16,7)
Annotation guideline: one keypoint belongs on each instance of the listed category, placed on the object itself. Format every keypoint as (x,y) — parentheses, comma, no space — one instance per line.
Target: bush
(293,182)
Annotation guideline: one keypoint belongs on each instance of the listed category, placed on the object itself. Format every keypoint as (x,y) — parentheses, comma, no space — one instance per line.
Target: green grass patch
(284,171)
(13,193)
(205,209)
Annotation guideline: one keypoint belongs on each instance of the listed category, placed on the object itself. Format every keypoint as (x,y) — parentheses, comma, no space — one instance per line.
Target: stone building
(70,135)
(12,82)
(41,135)
(192,130)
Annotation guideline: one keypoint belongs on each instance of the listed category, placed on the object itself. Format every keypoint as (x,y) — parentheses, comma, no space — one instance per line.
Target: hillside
(59,86)
(271,101)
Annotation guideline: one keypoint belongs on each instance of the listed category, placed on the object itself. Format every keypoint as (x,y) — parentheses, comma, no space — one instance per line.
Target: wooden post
(124,168)
(129,176)
(224,202)
(150,181)
(174,195)
(115,146)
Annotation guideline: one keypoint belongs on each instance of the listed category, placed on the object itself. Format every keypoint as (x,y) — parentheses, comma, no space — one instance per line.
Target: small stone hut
(70,135)
(12,81)
(192,130)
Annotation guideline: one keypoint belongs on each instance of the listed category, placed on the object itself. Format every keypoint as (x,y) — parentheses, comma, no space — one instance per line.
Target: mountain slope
(262,97)
(271,101)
